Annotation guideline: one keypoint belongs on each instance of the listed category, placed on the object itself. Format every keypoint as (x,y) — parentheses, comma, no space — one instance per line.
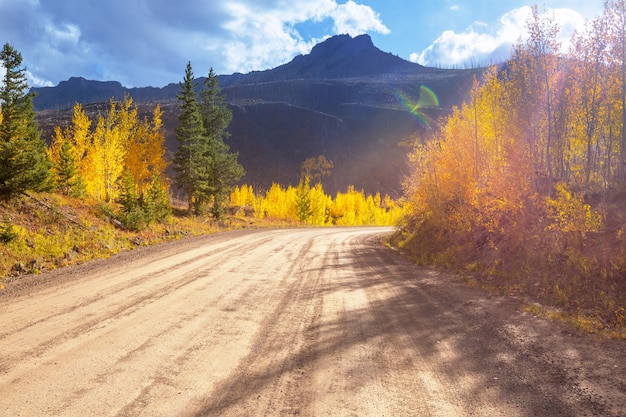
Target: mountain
(78,89)
(338,57)
(345,100)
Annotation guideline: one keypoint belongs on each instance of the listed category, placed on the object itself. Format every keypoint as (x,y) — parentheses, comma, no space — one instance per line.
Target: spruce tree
(224,170)
(132,215)
(205,168)
(156,201)
(24,162)
(190,159)
(65,169)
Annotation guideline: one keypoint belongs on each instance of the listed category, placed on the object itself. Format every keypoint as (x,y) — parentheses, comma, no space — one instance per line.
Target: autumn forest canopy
(526,181)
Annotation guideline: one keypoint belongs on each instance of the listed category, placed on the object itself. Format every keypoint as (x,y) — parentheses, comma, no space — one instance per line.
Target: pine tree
(65,169)
(190,158)
(156,202)
(24,162)
(205,168)
(224,170)
(132,215)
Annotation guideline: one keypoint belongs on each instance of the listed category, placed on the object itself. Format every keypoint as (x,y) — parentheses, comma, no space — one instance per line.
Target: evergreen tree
(205,168)
(191,159)
(132,215)
(8,232)
(65,169)
(156,202)
(224,170)
(24,162)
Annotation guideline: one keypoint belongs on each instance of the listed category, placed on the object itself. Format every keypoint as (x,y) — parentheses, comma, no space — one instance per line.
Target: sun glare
(427,99)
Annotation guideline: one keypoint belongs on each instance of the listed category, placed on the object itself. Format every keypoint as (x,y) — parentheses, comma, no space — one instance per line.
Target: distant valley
(345,100)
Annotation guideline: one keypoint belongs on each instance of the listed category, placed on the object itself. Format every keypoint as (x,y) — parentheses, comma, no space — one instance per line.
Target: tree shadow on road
(428,333)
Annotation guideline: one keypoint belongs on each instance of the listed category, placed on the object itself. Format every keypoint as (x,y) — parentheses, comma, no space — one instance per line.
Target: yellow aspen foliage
(316,168)
(347,208)
(352,208)
(320,204)
(276,204)
(568,212)
(242,196)
(119,142)
(78,134)
(55,147)
(528,174)
(92,169)
(110,140)
(145,153)
(112,145)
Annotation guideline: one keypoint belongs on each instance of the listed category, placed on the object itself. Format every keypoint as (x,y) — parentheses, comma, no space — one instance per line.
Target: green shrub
(8,232)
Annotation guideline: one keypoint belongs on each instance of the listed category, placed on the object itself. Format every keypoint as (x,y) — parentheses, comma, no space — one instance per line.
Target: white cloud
(355,19)
(34,80)
(66,34)
(477,45)
(261,38)
(149,42)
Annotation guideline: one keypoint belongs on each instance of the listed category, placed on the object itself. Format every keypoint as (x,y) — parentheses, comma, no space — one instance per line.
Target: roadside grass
(583,323)
(580,286)
(49,231)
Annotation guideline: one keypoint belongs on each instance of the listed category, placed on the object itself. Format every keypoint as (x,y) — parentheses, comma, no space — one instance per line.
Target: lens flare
(427,99)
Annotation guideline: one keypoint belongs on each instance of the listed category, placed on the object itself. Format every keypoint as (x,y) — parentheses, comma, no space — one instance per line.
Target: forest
(106,181)
(524,186)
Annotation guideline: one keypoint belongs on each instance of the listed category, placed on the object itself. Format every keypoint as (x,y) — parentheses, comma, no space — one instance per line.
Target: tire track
(262,384)
(128,291)
(308,322)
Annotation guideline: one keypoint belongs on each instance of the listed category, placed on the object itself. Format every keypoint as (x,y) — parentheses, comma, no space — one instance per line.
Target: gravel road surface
(307,322)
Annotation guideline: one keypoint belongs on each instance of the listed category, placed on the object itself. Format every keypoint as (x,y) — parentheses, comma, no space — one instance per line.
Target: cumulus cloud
(143,43)
(262,38)
(356,19)
(480,44)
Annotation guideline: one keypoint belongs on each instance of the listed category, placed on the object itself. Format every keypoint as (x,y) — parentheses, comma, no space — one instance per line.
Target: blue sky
(148,42)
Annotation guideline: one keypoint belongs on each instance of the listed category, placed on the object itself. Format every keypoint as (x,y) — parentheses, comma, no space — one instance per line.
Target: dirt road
(308,322)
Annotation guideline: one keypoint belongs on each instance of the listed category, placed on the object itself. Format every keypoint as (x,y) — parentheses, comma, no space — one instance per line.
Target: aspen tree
(145,154)
(615,11)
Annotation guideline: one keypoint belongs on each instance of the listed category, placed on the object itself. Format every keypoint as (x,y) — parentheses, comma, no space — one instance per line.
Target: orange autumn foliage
(119,142)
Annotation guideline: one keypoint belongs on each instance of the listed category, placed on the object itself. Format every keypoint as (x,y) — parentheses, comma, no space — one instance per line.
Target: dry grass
(52,231)
(580,280)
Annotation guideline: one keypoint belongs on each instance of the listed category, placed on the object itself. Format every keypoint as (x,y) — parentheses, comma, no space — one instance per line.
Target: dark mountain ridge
(343,100)
(328,60)
(338,58)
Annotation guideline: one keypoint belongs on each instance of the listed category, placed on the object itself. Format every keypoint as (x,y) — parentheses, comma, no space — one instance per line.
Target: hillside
(341,101)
